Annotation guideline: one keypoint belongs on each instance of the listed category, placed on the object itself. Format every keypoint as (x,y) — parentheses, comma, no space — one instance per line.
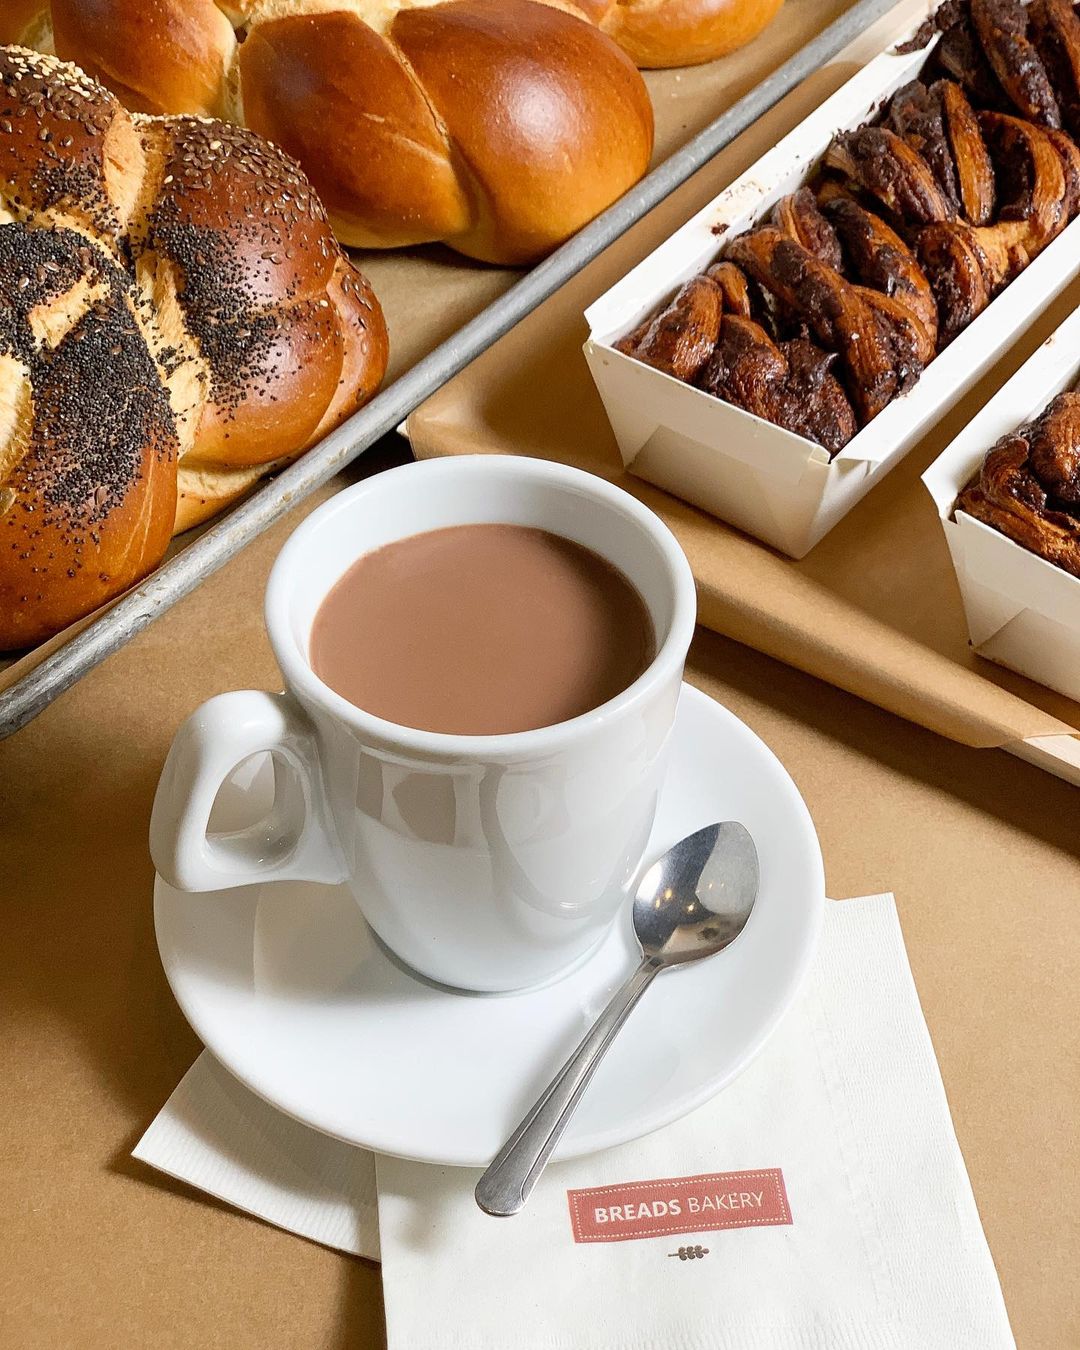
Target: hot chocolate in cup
(489,862)
(481,630)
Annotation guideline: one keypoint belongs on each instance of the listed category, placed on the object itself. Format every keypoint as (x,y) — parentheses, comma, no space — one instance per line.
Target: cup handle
(295,842)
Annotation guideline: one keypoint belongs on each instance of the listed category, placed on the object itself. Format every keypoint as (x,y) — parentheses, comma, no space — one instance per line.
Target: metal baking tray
(180,574)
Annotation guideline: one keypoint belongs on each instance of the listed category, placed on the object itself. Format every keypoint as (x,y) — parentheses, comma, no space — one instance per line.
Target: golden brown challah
(499,126)
(659,33)
(176,319)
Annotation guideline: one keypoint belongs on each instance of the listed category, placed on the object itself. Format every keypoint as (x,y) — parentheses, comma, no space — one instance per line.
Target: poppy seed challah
(176,319)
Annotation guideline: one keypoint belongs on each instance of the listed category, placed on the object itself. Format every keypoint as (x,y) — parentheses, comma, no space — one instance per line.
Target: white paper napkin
(217,1135)
(884,1250)
(871,1242)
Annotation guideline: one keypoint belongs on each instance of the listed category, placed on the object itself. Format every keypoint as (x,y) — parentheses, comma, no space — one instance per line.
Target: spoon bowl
(696,900)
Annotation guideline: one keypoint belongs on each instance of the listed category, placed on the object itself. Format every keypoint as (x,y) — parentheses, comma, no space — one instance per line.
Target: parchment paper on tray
(875,607)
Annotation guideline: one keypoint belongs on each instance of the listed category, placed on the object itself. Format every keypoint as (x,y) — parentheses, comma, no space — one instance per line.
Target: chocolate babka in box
(1008,493)
(783,350)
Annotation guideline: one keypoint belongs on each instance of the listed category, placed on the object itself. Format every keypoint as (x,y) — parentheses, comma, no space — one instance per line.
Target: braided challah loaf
(498,126)
(176,320)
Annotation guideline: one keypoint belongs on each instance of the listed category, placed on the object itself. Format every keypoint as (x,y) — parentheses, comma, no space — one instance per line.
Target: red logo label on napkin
(642,1209)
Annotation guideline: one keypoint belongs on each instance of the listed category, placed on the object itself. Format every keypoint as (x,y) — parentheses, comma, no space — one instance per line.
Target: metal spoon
(692,903)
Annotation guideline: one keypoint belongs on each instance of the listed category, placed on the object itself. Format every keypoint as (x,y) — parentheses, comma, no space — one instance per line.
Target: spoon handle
(508,1182)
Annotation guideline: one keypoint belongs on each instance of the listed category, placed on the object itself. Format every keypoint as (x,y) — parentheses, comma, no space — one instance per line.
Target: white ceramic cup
(485,862)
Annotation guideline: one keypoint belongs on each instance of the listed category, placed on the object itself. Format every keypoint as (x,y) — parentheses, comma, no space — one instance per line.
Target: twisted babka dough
(1056,28)
(707,337)
(915,224)
(1038,184)
(879,258)
(1029,485)
(884,164)
(960,54)
(733,287)
(1002,29)
(940,125)
(789,383)
(880,342)
(679,340)
(799,218)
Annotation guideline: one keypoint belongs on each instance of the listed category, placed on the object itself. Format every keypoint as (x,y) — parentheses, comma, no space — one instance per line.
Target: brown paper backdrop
(875,606)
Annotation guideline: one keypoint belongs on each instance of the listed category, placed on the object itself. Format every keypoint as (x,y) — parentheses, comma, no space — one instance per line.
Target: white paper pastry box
(1022,611)
(767,481)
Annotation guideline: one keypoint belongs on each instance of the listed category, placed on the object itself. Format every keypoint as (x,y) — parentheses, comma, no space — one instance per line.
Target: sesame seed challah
(176,319)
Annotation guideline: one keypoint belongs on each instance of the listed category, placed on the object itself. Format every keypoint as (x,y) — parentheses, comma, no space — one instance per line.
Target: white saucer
(287,987)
